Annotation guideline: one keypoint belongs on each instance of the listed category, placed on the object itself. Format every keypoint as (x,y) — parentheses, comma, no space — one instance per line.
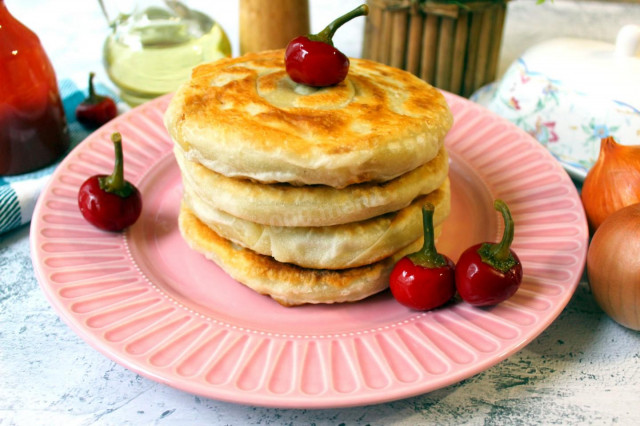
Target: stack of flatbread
(308,195)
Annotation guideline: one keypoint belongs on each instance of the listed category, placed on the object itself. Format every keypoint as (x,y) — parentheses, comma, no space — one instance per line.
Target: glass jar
(33,127)
(153,47)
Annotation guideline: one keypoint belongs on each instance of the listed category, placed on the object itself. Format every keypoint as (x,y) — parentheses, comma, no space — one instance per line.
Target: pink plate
(148,302)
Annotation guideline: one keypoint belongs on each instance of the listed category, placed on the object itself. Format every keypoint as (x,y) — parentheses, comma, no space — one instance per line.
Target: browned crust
(387,120)
(286,283)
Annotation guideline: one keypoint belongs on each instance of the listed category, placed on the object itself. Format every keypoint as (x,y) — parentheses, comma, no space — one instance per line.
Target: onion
(613,182)
(613,266)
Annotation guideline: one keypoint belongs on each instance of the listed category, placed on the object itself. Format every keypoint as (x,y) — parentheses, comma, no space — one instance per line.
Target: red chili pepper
(312,59)
(110,202)
(96,109)
(425,279)
(489,273)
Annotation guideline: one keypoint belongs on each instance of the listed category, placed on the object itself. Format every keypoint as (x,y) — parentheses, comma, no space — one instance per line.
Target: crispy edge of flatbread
(332,247)
(288,284)
(316,205)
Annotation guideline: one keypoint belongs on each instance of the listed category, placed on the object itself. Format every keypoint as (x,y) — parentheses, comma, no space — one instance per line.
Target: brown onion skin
(613,182)
(613,266)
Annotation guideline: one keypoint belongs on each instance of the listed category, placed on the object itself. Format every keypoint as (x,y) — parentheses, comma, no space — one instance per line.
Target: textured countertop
(583,369)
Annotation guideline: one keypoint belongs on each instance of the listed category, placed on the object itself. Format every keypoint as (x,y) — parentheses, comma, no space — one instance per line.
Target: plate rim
(296,401)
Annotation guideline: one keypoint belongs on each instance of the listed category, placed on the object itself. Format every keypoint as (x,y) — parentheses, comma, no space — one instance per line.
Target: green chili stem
(501,251)
(428,256)
(115,182)
(92,91)
(327,34)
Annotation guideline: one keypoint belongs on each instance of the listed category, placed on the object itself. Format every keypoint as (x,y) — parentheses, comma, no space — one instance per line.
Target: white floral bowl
(570,93)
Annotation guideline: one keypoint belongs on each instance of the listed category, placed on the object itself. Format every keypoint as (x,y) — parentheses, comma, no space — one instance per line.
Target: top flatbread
(244,117)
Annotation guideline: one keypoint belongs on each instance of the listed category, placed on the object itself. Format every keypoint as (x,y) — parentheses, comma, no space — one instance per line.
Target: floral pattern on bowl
(569,123)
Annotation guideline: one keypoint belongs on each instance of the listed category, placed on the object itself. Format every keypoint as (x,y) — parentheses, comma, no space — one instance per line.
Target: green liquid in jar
(152,53)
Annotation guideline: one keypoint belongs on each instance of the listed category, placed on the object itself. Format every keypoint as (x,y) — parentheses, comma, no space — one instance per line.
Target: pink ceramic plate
(145,300)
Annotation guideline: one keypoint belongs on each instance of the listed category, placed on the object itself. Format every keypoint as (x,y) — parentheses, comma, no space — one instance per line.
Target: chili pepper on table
(314,61)
(110,202)
(425,279)
(95,110)
(489,273)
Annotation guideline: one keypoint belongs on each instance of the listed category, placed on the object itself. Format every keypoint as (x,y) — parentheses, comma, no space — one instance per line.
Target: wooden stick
(385,37)
(445,53)
(496,42)
(484,42)
(459,52)
(429,45)
(366,37)
(415,37)
(472,53)
(399,39)
(374,30)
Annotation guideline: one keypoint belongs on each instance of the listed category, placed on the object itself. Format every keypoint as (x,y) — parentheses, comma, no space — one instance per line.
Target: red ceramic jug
(33,128)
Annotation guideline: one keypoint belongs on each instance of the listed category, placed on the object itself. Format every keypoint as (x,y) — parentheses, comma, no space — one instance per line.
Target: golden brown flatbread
(244,117)
(288,284)
(326,247)
(310,205)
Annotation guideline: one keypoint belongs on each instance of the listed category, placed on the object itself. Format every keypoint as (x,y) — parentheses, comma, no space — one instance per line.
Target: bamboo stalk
(484,43)
(445,53)
(459,53)
(496,42)
(399,39)
(366,38)
(385,37)
(414,45)
(374,30)
(429,45)
(472,53)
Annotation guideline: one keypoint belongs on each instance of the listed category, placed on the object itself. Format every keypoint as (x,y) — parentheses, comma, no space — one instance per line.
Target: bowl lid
(592,67)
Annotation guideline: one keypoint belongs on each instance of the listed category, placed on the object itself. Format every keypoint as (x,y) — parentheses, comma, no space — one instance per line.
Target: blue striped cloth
(18,194)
